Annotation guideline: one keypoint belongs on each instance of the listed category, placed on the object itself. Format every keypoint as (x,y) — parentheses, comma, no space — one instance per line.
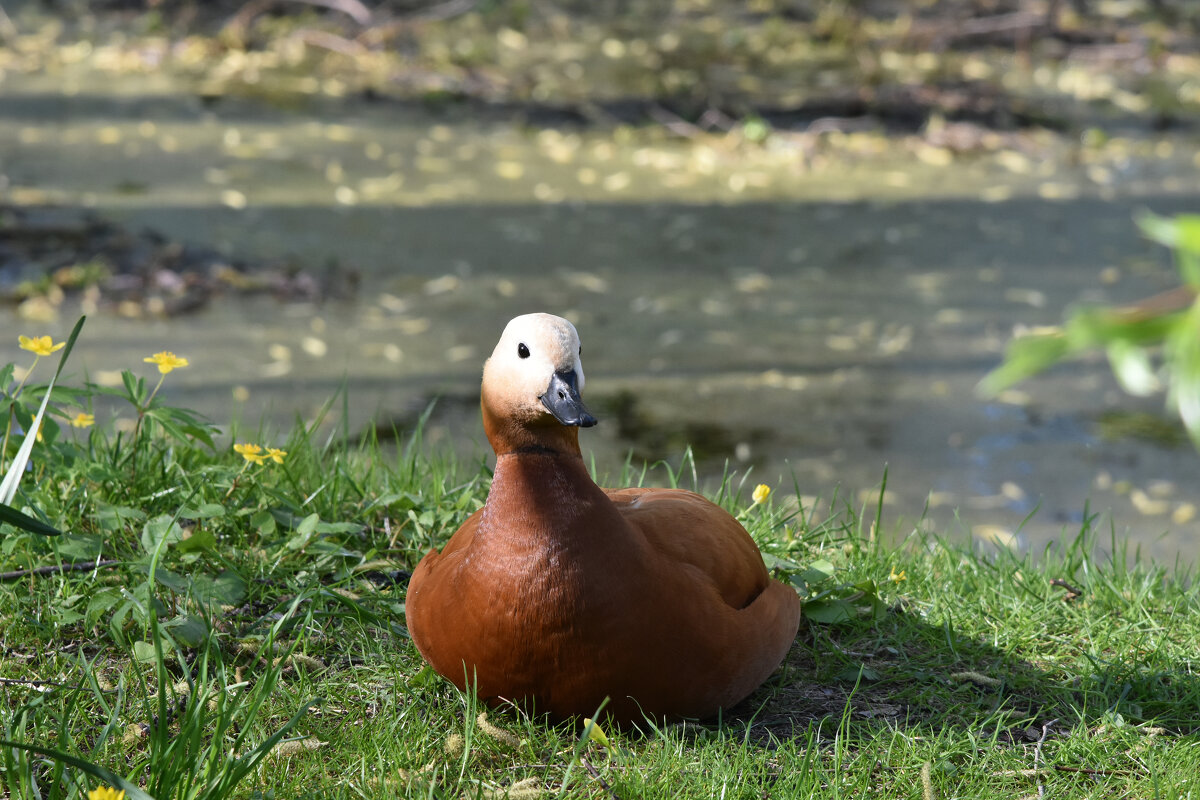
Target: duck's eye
(522,350)
(581,351)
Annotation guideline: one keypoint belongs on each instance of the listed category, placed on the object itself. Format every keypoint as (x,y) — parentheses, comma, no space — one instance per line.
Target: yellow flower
(106,793)
(761,493)
(166,361)
(40,345)
(896,577)
(276,455)
(251,452)
(595,732)
(82,420)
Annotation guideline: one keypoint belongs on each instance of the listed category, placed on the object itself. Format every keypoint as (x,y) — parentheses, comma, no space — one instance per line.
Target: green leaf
(1184,357)
(829,612)
(189,630)
(1025,357)
(1180,233)
(80,547)
(304,533)
(199,539)
(1131,364)
(135,388)
(99,604)
(227,589)
(144,653)
(173,581)
(19,519)
(12,478)
(203,511)
(160,530)
(264,522)
(818,571)
(854,674)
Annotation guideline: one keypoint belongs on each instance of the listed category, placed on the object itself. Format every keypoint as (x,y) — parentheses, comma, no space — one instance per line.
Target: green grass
(226,606)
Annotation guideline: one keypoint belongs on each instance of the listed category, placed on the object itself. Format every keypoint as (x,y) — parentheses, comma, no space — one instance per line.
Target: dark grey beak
(563,401)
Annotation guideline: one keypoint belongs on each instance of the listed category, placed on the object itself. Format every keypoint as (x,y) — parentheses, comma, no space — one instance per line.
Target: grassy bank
(218,621)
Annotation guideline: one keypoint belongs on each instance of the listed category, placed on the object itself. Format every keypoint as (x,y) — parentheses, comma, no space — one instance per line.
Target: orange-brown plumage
(558,594)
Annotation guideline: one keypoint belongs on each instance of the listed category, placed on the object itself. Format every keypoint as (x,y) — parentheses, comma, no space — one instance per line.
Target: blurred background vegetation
(843,64)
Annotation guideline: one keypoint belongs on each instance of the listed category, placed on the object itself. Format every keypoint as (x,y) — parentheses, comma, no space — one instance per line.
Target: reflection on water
(815,326)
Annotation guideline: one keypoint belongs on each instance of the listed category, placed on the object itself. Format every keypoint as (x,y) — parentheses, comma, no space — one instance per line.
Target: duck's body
(558,594)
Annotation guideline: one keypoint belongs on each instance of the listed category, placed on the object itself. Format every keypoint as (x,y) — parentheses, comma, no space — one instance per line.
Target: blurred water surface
(810,322)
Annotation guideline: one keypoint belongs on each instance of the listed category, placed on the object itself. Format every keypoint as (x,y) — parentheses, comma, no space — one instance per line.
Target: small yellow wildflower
(897,577)
(82,420)
(595,732)
(275,454)
(166,361)
(251,452)
(106,793)
(40,345)
(761,493)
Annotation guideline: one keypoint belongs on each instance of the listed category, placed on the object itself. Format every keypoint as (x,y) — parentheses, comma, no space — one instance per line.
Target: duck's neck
(541,495)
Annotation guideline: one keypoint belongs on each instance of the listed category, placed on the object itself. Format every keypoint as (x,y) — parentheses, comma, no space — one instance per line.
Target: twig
(1037,755)
(674,123)
(998,23)
(352,8)
(77,566)
(592,771)
(1122,773)
(330,41)
(1178,299)
(448,10)
(1072,592)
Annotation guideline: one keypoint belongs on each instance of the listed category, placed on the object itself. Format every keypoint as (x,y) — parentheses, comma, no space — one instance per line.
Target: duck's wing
(434,603)
(685,528)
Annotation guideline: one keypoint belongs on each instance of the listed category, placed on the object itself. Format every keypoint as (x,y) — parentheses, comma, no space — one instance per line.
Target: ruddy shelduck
(558,594)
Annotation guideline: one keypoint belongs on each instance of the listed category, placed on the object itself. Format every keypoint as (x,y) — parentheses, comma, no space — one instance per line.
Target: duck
(566,599)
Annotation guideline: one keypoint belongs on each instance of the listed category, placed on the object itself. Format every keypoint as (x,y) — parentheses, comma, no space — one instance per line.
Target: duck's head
(531,387)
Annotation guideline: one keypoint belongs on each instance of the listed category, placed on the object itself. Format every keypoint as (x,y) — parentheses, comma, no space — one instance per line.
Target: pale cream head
(531,350)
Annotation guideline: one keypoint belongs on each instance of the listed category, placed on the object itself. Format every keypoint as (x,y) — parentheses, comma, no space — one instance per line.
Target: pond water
(813,319)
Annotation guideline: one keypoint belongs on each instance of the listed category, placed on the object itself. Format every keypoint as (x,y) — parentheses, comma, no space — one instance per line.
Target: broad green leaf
(829,612)
(854,674)
(303,533)
(199,539)
(817,571)
(188,630)
(173,581)
(203,511)
(80,547)
(99,604)
(264,522)
(143,652)
(227,589)
(162,529)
